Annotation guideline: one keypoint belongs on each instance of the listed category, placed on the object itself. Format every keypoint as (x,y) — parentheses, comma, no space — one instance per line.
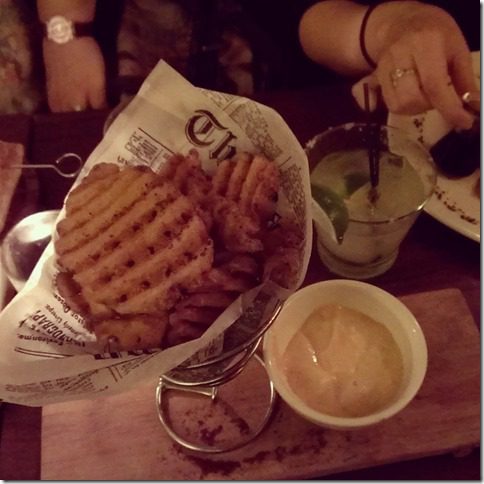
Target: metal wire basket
(239,345)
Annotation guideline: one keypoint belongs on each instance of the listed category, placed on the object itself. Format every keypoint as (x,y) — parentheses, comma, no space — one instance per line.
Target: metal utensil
(24,244)
(61,165)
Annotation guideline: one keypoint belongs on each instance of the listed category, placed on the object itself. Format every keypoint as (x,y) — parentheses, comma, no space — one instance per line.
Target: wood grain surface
(121,438)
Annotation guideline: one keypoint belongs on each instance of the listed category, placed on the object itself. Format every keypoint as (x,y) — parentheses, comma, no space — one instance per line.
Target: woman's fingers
(437,84)
(97,97)
(462,73)
(76,102)
(400,81)
(414,80)
(75,75)
(400,90)
(62,100)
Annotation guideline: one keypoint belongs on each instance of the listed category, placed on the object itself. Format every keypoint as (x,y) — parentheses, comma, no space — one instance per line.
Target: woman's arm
(329,32)
(418,39)
(75,71)
(76,10)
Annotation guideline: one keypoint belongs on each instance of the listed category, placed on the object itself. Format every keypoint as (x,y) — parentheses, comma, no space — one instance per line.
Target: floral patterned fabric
(238,46)
(20,84)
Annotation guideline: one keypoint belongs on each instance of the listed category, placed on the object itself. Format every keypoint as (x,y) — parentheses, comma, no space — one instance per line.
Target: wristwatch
(61,30)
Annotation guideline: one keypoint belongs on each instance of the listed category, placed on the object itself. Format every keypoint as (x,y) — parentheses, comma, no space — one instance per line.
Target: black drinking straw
(373,137)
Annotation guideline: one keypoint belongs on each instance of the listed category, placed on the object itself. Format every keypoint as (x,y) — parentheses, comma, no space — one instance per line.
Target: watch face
(60,30)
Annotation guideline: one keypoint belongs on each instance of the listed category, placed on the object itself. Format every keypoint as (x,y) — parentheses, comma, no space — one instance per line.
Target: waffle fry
(244,198)
(186,173)
(237,231)
(137,332)
(219,288)
(282,252)
(129,252)
(252,182)
(153,259)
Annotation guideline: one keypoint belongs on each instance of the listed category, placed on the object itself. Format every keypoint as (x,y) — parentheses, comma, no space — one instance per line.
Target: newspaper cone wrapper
(47,353)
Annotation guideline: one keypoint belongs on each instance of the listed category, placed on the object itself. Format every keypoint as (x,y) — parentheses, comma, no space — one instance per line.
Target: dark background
(273,25)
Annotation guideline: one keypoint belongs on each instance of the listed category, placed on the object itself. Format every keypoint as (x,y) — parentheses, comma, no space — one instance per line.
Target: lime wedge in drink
(328,173)
(334,207)
(343,171)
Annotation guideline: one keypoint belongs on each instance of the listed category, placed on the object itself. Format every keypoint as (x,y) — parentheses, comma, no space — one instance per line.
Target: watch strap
(83,29)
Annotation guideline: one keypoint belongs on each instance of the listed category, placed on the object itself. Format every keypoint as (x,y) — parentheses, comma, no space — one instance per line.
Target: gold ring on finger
(398,73)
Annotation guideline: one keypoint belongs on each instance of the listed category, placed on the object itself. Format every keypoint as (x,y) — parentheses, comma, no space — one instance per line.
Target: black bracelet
(364,22)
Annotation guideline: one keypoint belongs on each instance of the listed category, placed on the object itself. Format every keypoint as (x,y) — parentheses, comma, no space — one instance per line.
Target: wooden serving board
(120,437)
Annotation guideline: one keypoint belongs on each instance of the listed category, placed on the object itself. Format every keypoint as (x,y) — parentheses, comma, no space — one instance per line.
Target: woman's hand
(423,62)
(75,75)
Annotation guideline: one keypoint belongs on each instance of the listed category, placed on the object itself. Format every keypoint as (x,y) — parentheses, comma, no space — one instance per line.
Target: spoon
(24,244)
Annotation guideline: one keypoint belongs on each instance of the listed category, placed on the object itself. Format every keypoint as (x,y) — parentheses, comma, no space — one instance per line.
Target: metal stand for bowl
(206,378)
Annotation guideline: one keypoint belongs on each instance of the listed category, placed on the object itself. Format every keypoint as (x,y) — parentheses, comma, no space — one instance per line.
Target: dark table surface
(431,257)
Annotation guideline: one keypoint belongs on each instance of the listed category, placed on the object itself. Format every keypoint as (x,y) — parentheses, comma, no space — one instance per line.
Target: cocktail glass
(359,226)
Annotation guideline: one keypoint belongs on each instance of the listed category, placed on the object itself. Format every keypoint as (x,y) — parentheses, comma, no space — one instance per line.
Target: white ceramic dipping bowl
(375,303)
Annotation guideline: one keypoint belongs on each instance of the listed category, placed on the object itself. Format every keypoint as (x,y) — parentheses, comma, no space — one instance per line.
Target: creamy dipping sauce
(343,363)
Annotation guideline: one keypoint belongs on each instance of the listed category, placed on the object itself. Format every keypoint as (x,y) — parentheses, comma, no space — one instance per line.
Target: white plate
(456,202)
